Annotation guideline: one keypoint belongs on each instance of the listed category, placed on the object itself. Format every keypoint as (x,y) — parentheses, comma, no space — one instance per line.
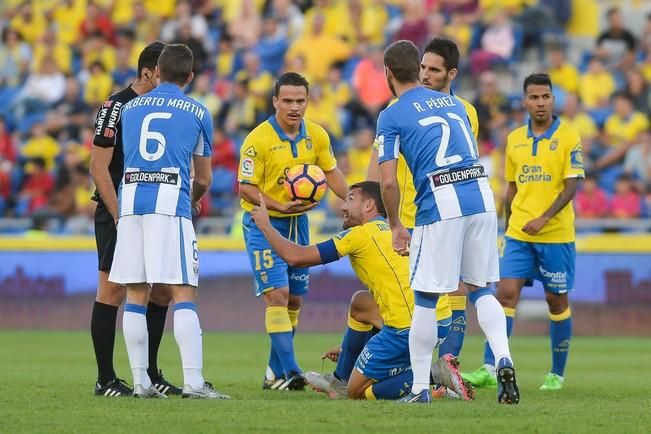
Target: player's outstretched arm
(561,201)
(294,254)
(100,158)
(337,182)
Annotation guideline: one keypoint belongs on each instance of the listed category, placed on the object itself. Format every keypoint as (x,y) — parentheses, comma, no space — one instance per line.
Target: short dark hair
(403,61)
(447,49)
(148,58)
(538,78)
(371,190)
(622,94)
(611,11)
(175,63)
(291,79)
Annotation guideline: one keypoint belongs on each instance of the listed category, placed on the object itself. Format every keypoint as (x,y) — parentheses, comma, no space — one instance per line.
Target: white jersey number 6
(146,135)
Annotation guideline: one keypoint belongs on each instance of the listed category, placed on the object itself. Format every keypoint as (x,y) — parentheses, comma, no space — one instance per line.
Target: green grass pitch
(46,383)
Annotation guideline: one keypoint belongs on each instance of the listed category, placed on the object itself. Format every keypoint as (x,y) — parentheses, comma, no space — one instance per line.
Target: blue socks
(356,336)
(560,332)
(391,388)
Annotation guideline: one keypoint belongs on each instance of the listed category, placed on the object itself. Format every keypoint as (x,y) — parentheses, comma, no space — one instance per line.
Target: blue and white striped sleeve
(203,147)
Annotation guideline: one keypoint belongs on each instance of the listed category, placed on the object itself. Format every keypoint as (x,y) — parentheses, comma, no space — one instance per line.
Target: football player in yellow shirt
(543,166)
(439,66)
(273,147)
(382,367)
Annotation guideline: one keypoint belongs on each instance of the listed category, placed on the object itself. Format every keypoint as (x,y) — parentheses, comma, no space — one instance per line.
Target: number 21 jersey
(161,130)
(431,130)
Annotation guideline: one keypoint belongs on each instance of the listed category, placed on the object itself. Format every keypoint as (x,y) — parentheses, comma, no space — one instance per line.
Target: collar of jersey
(168,88)
(547,134)
(284,137)
(377,218)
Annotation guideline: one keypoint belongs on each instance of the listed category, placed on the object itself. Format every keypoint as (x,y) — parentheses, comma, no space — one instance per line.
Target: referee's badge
(553,145)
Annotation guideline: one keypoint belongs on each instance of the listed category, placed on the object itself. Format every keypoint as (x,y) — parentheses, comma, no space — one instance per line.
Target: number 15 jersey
(431,130)
(161,130)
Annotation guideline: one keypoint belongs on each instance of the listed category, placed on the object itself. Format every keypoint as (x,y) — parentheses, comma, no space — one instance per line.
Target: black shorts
(105,236)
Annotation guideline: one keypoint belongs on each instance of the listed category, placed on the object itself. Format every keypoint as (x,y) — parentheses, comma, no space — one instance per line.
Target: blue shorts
(270,271)
(550,263)
(386,354)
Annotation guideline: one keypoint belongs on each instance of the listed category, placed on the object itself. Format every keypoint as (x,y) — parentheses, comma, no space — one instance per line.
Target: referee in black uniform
(106,167)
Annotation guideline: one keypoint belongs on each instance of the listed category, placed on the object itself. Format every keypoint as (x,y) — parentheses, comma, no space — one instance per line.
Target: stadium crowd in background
(60,59)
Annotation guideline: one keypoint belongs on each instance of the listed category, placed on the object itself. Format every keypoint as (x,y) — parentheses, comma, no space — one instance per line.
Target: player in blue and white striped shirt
(455,237)
(163,133)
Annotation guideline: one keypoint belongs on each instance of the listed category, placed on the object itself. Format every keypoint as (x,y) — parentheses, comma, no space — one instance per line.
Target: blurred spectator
(124,73)
(68,16)
(36,189)
(370,83)
(625,203)
(359,155)
(225,57)
(98,85)
(622,128)
(596,85)
(29,23)
(68,115)
(239,113)
(460,31)
(414,25)
(272,46)
(144,24)
(319,49)
(197,23)
(260,82)
(7,150)
(322,109)
(126,40)
(591,201)
(96,21)
(639,90)
(185,36)
(289,16)
(491,104)
(637,163)
(616,45)
(50,46)
(204,95)
(497,42)
(95,48)
(42,89)
(224,155)
(372,18)
(247,25)
(15,56)
(562,73)
(41,146)
(578,119)
(337,88)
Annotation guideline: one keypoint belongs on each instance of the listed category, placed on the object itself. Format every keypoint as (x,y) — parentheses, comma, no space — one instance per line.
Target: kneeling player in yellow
(382,370)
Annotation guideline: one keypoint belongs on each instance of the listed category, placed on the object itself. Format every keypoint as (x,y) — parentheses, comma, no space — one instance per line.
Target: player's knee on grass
(357,385)
(508,291)
(277,297)
(557,303)
(161,294)
(364,309)
(108,292)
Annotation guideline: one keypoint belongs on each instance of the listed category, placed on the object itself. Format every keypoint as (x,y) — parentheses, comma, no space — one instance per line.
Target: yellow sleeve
(474,120)
(348,242)
(509,167)
(325,159)
(573,157)
(252,158)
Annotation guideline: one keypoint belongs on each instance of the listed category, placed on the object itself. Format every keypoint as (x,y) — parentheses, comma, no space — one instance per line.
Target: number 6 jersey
(161,130)
(431,130)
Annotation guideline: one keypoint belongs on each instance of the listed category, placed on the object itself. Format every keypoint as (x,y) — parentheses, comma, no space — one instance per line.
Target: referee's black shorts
(105,237)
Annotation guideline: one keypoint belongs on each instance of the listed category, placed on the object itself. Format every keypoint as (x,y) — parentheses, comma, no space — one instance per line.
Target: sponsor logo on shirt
(533,174)
(151,178)
(458,175)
